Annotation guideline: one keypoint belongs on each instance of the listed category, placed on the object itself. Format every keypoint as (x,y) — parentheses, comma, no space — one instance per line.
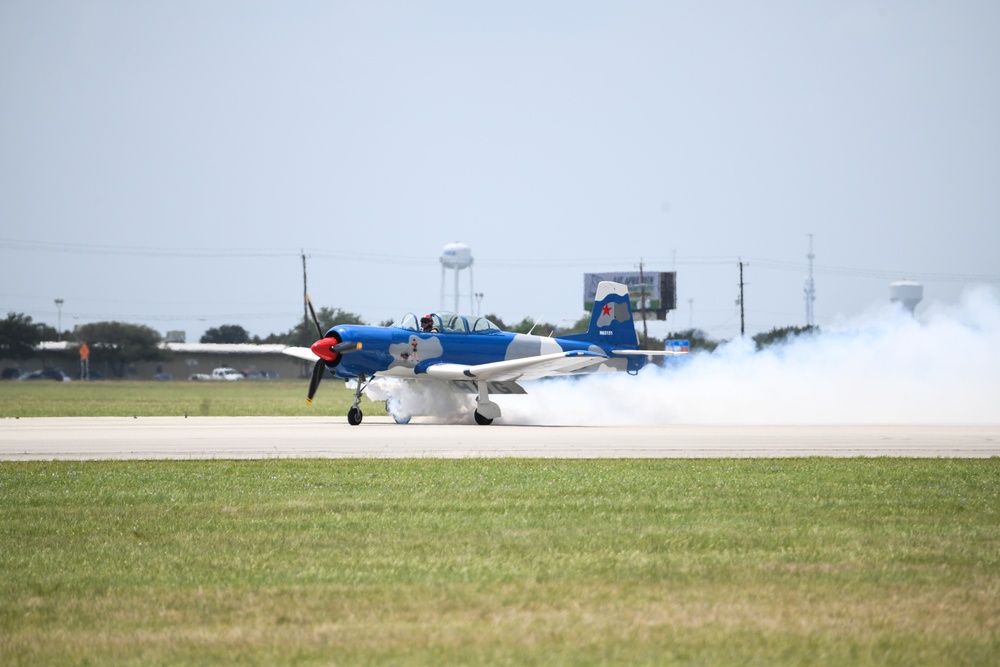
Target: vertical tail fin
(611,322)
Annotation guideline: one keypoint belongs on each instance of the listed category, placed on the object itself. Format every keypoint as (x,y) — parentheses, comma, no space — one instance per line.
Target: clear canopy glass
(448,322)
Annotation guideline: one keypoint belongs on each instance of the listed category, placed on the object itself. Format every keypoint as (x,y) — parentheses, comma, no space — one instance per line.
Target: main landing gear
(486,410)
(395,410)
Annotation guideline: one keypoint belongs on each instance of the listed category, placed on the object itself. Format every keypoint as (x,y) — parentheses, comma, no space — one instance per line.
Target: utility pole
(642,306)
(59,305)
(304,338)
(742,323)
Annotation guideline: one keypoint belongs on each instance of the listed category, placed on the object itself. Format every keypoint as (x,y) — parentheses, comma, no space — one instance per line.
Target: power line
(140,251)
(881,274)
(501,263)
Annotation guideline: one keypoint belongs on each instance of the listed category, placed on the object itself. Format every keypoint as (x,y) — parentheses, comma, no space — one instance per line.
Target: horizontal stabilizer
(673,348)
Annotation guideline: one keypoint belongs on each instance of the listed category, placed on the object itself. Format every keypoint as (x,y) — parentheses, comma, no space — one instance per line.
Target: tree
(47,332)
(18,336)
(578,327)
(328,318)
(227,333)
(117,344)
(331,317)
(780,335)
(495,319)
(536,328)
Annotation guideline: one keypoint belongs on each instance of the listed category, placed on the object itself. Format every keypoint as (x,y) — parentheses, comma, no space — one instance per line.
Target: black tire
(481,420)
(354,416)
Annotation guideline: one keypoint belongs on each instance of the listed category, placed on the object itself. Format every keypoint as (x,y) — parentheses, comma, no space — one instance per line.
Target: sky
(169,163)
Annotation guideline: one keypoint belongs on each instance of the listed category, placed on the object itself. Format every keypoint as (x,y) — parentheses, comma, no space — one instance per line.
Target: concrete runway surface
(331,437)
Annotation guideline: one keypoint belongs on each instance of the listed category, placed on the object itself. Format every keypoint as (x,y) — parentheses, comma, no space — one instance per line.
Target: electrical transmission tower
(810,289)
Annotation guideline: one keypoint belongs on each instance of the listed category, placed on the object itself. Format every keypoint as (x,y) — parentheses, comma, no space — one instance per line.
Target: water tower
(906,292)
(456,256)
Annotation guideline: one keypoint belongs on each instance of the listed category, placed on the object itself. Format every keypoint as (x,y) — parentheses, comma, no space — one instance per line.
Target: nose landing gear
(354,415)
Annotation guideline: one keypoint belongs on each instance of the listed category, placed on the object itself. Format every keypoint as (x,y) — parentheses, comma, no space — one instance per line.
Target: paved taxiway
(331,437)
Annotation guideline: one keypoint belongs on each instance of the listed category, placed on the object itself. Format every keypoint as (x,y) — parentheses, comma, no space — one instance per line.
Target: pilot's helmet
(426,321)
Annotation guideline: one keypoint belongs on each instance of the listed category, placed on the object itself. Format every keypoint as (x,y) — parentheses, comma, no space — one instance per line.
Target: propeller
(329,349)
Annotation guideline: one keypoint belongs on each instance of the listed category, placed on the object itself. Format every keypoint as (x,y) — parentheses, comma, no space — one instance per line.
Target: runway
(113,438)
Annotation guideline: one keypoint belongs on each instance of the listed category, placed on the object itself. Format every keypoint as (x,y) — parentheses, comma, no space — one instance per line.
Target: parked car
(47,374)
(224,374)
(260,375)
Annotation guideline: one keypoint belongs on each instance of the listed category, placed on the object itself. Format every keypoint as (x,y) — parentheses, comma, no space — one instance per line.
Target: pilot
(427,324)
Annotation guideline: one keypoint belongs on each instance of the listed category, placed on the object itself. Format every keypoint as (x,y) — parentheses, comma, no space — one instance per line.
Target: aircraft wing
(526,368)
(303,353)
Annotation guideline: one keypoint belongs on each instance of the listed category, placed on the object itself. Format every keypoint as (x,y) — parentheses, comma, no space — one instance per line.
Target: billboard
(657,288)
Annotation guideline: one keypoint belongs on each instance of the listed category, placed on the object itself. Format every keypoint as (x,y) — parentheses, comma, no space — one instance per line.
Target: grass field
(180,398)
(700,562)
(725,562)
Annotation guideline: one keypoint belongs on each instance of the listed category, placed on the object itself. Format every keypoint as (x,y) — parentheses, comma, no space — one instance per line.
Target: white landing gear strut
(486,410)
(354,415)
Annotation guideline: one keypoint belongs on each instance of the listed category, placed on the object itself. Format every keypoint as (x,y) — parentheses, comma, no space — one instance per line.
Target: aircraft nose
(326,348)
(332,347)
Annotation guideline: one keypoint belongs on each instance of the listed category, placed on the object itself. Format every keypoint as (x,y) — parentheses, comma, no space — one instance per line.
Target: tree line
(118,344)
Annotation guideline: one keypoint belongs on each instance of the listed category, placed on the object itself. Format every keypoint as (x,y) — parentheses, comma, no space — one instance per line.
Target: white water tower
(906,292)
(456,256)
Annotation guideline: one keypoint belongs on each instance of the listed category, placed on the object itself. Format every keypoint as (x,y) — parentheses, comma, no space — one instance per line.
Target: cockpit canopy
(448,322)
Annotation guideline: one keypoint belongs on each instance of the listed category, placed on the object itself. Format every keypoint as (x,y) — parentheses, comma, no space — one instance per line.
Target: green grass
(165,399)
(703,562)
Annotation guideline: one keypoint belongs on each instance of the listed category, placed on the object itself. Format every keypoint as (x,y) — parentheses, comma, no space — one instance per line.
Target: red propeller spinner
(331,348)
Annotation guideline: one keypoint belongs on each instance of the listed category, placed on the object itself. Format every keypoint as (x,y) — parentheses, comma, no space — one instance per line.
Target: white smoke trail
(433,402)
(885,367)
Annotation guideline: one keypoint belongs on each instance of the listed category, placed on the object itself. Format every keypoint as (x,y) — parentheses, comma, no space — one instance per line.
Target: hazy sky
(166,163)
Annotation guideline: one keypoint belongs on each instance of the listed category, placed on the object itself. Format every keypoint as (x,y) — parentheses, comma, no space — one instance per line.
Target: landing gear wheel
(354,415)
(481,420)
(392,407)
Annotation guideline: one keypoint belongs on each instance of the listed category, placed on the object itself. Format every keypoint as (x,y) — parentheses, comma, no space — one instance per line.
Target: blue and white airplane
(447,351)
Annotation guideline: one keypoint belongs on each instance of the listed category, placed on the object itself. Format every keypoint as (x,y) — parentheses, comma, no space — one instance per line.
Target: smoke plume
(885,367)
(436,404)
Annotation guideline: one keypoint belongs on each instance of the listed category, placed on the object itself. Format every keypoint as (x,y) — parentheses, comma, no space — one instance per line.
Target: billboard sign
(657,289)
